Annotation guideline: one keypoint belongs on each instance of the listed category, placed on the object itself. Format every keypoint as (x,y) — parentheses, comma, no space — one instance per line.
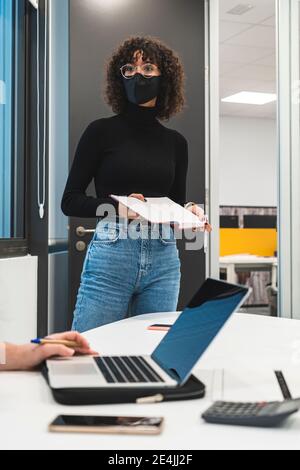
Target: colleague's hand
(199,212)
(128,213)
(29,356)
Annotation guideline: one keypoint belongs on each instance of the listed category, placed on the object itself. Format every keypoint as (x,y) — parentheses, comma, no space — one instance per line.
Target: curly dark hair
(171,98)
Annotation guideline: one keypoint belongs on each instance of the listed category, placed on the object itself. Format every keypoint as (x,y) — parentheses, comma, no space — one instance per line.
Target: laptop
(172,362)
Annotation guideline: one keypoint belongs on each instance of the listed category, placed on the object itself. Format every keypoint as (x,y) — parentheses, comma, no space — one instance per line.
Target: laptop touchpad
(73,369)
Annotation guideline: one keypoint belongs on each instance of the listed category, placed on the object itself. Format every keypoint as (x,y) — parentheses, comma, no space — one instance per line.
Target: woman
(133,154)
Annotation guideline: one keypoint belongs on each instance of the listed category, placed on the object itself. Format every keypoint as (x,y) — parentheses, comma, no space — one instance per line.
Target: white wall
(18,299)
(248,162)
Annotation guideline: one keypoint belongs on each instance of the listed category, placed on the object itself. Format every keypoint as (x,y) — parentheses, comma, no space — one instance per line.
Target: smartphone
(159,327)
(107,424)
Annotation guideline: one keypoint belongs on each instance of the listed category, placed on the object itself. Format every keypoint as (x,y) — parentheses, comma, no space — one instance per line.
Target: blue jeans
(130,269)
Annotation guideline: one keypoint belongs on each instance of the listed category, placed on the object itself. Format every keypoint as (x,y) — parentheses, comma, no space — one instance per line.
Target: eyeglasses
(147,70)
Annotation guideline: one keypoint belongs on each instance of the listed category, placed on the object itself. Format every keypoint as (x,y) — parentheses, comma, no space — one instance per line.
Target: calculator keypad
(250,414)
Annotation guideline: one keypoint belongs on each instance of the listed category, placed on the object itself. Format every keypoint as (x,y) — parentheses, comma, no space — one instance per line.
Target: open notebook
(161,210)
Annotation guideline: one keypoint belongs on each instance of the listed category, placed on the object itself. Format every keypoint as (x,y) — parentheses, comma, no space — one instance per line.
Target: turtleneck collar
(141,115)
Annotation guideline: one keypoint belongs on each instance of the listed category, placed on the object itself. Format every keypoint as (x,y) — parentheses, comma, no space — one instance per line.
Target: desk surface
(247,259)
(248,348)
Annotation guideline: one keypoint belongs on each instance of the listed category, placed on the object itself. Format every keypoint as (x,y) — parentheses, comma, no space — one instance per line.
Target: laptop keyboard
(126,369)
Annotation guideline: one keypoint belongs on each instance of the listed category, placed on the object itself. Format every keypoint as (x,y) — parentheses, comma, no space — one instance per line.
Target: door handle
(81,231)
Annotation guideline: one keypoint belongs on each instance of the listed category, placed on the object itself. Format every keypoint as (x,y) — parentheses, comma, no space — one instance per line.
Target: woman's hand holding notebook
(161,210)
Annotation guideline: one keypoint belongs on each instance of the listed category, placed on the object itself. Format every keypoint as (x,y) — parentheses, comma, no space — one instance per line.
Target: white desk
(247,342)
(231,263)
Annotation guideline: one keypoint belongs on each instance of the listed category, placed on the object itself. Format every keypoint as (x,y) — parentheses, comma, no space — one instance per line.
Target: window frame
(17,246)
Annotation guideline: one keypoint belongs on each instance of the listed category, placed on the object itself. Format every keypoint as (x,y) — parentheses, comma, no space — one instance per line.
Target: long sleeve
(75,202)
(178,190)
(131,152)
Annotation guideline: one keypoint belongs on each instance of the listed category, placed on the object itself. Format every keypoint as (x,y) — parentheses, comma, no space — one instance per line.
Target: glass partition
(247,165)
(12,82)
(288,24)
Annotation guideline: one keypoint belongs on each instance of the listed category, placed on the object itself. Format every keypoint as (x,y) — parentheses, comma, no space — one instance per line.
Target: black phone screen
(99,421)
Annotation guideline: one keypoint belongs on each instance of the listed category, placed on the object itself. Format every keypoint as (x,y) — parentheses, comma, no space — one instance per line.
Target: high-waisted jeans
(128,270)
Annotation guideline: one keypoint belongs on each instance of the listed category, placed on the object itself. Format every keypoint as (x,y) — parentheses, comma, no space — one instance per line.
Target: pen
(205,236)
(69,344)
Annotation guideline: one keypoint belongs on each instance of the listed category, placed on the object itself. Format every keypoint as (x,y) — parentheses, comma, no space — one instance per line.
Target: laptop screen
(197,326)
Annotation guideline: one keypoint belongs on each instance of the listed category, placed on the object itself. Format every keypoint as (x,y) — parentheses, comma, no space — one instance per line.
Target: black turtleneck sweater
(131,152)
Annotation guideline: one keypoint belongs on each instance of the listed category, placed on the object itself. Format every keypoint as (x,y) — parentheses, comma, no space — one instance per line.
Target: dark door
(96,28)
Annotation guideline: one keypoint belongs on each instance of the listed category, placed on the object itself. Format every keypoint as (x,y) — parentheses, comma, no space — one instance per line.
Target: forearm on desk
(12,357)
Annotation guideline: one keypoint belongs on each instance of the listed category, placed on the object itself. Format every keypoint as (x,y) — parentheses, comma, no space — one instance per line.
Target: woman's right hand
(128,213)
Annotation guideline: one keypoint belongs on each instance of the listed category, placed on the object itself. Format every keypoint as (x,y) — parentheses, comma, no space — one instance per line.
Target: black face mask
(140,90)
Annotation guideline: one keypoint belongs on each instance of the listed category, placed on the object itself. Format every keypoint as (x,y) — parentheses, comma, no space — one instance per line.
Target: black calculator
(264,414)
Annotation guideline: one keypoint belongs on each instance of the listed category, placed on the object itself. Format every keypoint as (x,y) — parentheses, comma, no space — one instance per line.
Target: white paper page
(161,210)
